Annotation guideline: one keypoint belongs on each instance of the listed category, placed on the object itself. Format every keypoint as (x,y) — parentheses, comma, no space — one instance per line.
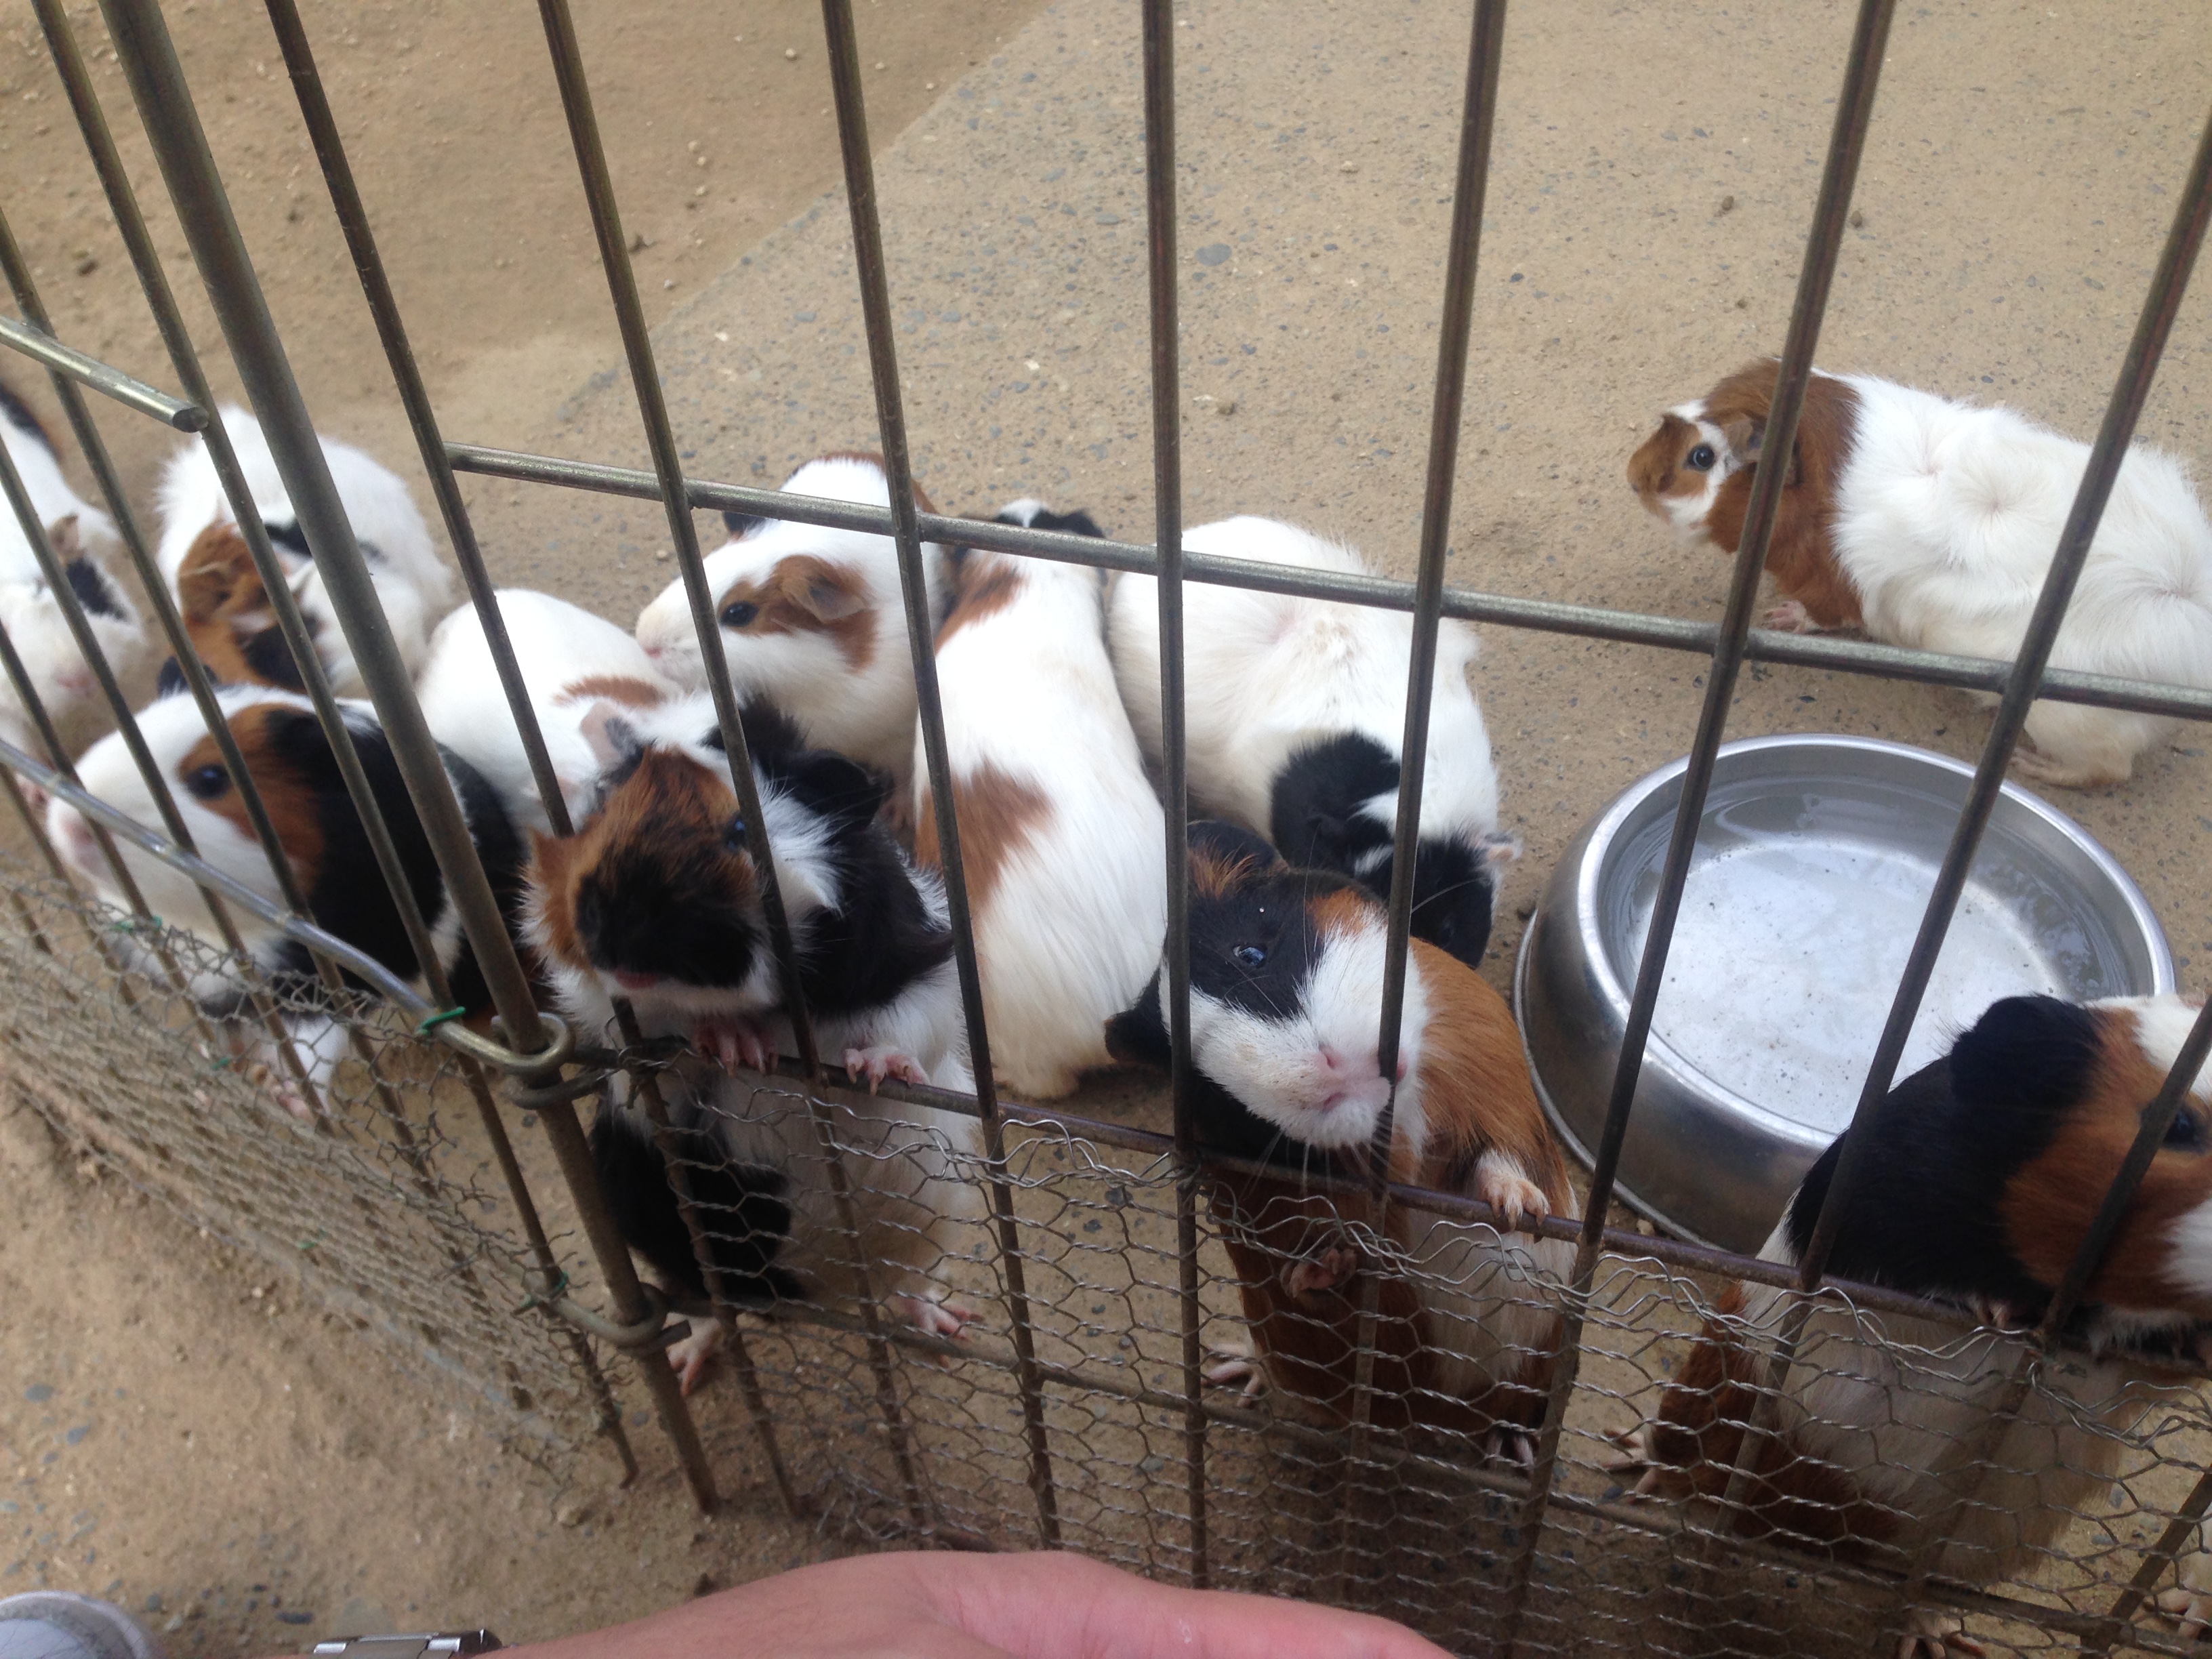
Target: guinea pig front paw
(876,1064)
(1789,617)
(934,1312)
(1934,1636)
(1499,1183)
(1505,1443)
(1235,1364)
(733,1040)
(692,1357)
(2191,1610)
(1324,1272)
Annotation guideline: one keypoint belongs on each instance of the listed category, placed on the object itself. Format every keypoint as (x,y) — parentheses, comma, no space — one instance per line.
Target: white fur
(1070,931)
(868,715)
(414,586)
(33,615)
(557,646)
(1946,519)
(1264,673)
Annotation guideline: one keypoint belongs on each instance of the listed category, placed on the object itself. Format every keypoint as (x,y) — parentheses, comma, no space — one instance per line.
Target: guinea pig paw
(2191,1610)
(935,1313)
(692,1356)
(295,1102)
(1511,1193)
(1935,1635)
(876,1064)
(1324,1272)
(1997,1314)
(1506,1445)
(1789,617)
(732,1040)
(1632,1452)
(1235,1366)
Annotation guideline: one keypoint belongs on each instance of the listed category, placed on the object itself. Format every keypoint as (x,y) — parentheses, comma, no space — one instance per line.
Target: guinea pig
(1294,713)
(1931,525)
(413,584)
(655,898)
(1986,1170)
(1285,1008)
(81,536)
(1061,833)
(292,762)
(812,619)
(225,609)
(571,661)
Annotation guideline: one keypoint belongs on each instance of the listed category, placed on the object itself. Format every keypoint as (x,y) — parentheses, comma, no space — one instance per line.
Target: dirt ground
(1654,168)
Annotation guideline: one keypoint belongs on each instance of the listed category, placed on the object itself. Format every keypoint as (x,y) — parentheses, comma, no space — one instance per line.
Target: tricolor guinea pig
(656,899)
(1986,1170)
(1295,715)
(1061,833)
(82,537)
(1285,1009)
(296,771)
(571,661)
(412,583)
(1931,524)
(812,619)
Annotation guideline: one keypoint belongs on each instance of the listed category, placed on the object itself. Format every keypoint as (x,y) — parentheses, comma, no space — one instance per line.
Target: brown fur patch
(804,594)
(624,689)
(1697,1435)
(1345,911)
(223,604)
(1217,878)
(2049,1204)
(987,584)
(1474,1084)
(671,810)
(1655,469)
(1801,555)
(995,812)
(287,797)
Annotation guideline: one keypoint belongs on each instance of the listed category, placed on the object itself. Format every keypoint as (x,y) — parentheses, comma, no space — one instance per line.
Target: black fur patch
(91,588)
(741,524)
(882,938)
(1316,819)
(741,1206)
(271,660)
(672,919)
(291,537)
(1078,523)
(18,413)
(506,865)
(1926,1215)
(170,681)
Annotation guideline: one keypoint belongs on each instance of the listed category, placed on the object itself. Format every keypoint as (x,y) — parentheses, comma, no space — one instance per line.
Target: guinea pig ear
(1744,435)
(613,739)
(68,541)
(2027,1054)
(1225,843)
(1499,848)
(1138,1036)
(827,592)
(742,524)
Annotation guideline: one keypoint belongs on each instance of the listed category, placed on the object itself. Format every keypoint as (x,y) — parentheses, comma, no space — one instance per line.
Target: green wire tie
(129,924)
(434,1021)
(537,1300)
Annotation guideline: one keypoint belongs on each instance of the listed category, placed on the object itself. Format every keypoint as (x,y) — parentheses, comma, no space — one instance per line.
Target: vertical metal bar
(1485,47)
(2161,306)
(898,474)
(1160,205)
(1824,243)
(2160,1556)
(384,309)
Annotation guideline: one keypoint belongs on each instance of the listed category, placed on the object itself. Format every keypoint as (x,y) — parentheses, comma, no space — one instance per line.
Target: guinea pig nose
(1332,1059)
(1401,1068)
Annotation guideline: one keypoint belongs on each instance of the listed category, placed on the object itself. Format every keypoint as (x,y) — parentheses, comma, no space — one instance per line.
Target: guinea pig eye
(1248,956)
(208,781)
(733,838)
(740,613)
(2184,1135)
(1701,458)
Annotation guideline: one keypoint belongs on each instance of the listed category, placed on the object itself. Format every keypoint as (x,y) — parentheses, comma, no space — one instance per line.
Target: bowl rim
(1603,832)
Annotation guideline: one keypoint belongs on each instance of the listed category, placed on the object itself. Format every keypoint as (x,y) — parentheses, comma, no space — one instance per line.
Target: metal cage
(1088,1426)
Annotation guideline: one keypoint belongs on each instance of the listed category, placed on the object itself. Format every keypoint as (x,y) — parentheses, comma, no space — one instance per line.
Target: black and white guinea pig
(293,766)
(82,537)
(572,663)
(656,899)
(1285,1010)
(414,586)
(812,619)
(1931,524)
(1295,715)
(1986,1171)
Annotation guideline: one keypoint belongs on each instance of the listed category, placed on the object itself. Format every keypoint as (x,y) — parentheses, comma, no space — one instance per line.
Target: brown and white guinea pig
(571,661)
(1931,524)
(1285,1007)
(225,609)
(412,583)
(1060,831)
(812,619)
(1295,715)
(655,898)
(1986,1170)
(82,537)
(293,766)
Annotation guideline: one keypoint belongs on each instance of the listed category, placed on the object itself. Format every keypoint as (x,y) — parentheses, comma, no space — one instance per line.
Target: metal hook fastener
(497,1055)
(648,1334)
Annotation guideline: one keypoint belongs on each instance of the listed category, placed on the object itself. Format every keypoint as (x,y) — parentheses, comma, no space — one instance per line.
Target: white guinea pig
(570,660)
(413,584)
(1931,525)
(82,535)
(1296,715)
(812,619)
(292,762)
(1061,836)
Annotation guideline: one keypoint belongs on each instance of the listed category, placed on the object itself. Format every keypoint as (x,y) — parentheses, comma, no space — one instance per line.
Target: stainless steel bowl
(1814,860)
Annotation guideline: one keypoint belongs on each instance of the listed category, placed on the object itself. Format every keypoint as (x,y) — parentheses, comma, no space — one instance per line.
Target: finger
(1051,1605)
